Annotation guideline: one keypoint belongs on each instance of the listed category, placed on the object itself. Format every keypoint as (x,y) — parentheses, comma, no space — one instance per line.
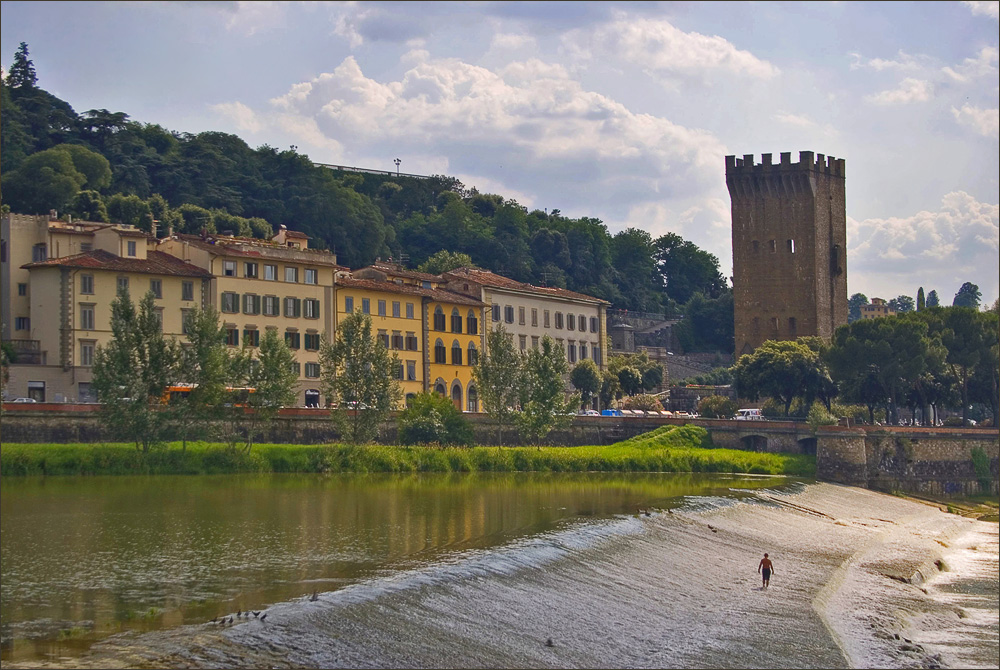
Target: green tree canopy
(968,296)
(854,304)
(586,377)
(782,370)
(543,399)
(498,376)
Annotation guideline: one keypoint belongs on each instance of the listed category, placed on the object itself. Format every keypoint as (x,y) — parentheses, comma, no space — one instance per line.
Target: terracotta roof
(397,271)
(156,263)
(436,294)
(487,278)
(250,247)
(295,233)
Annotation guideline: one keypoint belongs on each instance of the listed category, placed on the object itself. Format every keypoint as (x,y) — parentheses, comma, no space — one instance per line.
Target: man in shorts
(765,568)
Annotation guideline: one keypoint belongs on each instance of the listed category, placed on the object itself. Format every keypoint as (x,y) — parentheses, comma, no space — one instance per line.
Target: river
(481,570)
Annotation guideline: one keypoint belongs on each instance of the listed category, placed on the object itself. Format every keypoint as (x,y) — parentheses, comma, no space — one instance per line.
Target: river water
(513,570)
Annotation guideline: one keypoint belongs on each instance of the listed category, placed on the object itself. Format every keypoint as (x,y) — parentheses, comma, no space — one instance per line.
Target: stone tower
(789,246)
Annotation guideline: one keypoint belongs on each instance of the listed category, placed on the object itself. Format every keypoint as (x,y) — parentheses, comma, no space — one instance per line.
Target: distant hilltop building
(877,309)
(789,247)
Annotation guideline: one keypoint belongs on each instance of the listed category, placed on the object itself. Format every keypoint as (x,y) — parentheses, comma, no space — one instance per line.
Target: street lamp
(397,162)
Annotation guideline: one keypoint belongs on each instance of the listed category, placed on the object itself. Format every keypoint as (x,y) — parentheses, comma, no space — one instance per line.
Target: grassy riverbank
(668,449)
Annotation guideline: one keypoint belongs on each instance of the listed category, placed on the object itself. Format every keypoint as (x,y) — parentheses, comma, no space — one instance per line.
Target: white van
(749,415)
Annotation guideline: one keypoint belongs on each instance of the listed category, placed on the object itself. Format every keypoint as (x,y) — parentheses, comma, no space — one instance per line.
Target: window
(791,246)
(520,316)
(251,303)
(187,290)
(383,338)
(395,309)
(311,276)
(293,339)
(123,283)
(559,320)
(291,275)
(473,354)
(228,268)
(39,253)
(438,319)
(312,370)
(409,310)
(774,324)
(158,314)
(571,352)
(348,304)
(296,368)
(595,324)
(232,337)
(22,323)
(508,314)
(311,308)
(22,288)
(534,342)
(456,353)
(86,317)
(36,390)
(397,340)
(86,392)
(86,286)
(411,342)
(583,351)
(534,317)
(582,322)
(399,371)
(545,318)
(792,325)
(185,321)
(271,272)
(774,246)
(230,303)
(472,323)
(366,306)
(250,270)
(293,307)
(571,322)
(87,352)
(156,286)
(523,342)
(381,307)
(495,313)
(456,321)
(597,354)
(411,371)
(251,337)
(312,341)
(425,284)
(131,248)
(270,305)
(440,354)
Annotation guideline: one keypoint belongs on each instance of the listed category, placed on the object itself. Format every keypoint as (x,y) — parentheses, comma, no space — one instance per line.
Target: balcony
(26,352)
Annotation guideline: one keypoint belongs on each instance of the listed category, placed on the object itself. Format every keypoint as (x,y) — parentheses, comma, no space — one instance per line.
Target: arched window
(456,353)
(440,353)
(456,321)
(439,319)
(409,399)
(473,399)
(473,354)
(440,389)
(472,323)
(312,398)
(456,396)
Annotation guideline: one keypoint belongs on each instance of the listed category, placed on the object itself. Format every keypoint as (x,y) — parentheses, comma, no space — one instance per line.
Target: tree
(499,379)
(543,400)
(45,180)
(270,372)
(586,377)
(203,364)
(854,304)
(685,269)
(130,210)
(932,299)
(22,71)
(132,372)
(359,375)
(782,370)
(444,261)
(902,304)
(717,407)
(969,337)
(88,206)
(921,301)
(968,296)
(433,419)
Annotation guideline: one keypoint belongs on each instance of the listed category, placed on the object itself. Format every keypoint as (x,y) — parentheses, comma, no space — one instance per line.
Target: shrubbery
(433,419)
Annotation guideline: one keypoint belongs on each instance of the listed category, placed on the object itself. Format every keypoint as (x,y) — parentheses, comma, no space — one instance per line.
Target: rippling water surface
(103,559)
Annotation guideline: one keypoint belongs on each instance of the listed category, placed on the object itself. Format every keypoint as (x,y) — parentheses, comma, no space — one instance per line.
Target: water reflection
(86,557)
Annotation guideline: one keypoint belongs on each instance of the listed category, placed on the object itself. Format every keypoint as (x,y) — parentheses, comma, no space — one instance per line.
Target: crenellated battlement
(808,161)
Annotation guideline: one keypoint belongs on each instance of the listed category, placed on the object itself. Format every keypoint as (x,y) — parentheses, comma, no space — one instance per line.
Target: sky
(618,111)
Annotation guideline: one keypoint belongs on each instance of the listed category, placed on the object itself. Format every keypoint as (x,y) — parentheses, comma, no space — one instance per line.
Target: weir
(933,461)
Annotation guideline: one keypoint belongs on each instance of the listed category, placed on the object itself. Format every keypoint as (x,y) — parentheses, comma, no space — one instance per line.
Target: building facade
(789,247)
(877,309)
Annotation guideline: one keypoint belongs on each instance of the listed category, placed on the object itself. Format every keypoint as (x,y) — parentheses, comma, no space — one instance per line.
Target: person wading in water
(765,568)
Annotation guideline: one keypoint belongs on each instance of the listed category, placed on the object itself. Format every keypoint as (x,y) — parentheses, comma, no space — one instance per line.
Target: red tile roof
(438,295)
(156,263)
(487,278)
(396,271)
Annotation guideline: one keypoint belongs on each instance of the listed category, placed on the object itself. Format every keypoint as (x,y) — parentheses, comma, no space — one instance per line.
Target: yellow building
(877,309)
(278,284)
(435,333)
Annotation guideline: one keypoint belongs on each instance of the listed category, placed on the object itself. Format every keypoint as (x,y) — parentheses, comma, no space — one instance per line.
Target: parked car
(23,400)
(589,412)
(749,415)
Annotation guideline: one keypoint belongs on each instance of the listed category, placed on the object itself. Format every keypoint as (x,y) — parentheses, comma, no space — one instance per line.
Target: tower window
(774,246)
(791,246)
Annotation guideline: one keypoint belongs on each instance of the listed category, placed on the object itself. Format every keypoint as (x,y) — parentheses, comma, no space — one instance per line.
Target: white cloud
(252,17)
(990,8)
(905,62)
(909,90)
(958,242)
(984,65)
(511,42)
(242,116)
(986,122)
(658,46)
